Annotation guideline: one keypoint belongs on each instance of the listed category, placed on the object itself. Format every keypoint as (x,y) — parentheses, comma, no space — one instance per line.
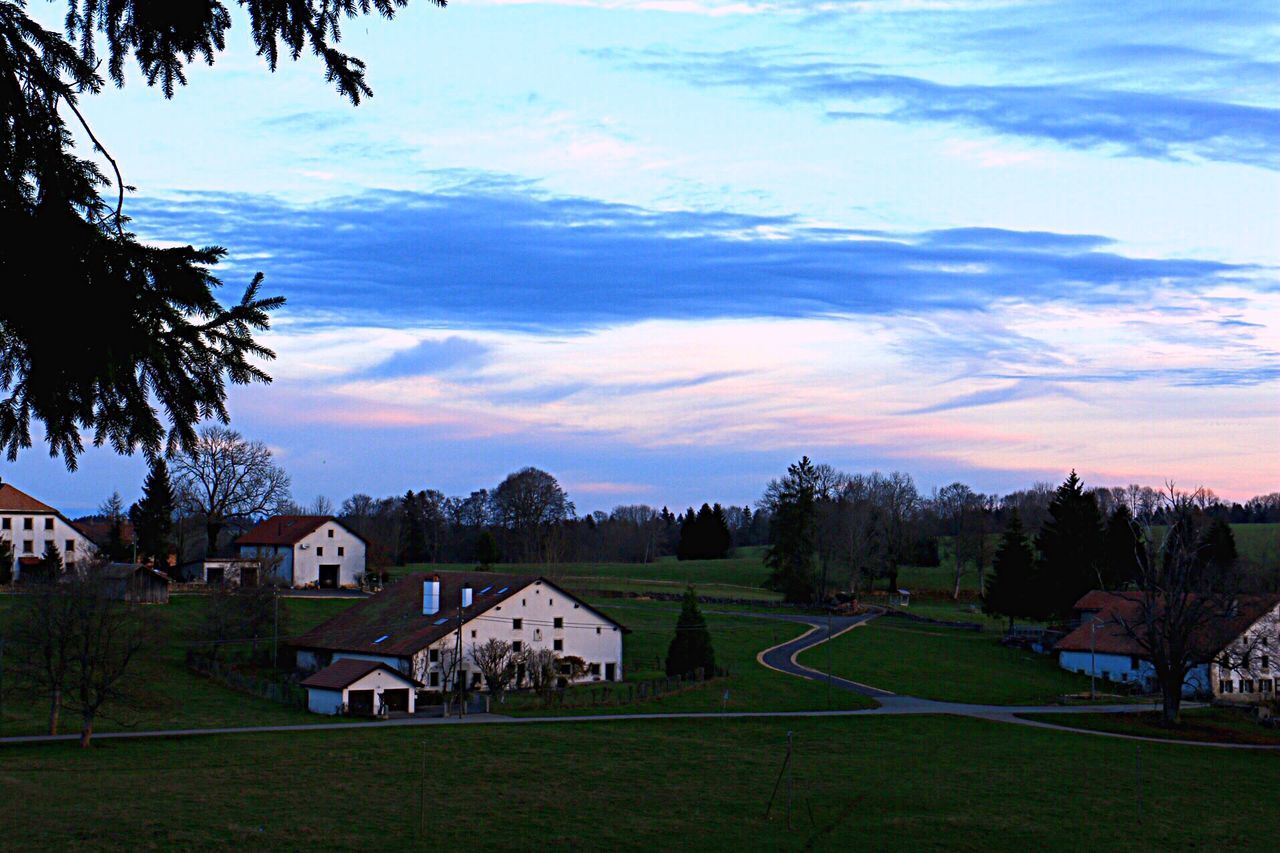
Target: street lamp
(1093,656)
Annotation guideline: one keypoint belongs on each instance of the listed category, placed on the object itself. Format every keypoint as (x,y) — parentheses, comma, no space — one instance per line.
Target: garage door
(396,700)
(328,577)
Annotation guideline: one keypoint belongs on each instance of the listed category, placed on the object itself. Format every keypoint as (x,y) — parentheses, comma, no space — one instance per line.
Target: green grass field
(1218,725)
(736,639)
(944,663)
(922,783)
(174,697)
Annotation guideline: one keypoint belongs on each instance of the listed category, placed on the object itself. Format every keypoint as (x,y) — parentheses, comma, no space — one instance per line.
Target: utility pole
(1093,657)
(457,667)
(828,658)
(275,631)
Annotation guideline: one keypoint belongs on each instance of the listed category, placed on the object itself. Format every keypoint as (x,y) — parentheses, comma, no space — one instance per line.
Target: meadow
(917,783)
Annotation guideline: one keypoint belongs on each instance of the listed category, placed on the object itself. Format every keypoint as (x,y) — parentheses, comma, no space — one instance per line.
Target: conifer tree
(51,567)
(6,562)
(1070,546)
(1124,550)
(691,648)
(793,534)
(152,516)
(1010,588)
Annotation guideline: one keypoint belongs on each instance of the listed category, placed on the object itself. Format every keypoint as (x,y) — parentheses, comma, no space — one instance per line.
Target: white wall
(1262,643)
(323,701)
(585,634)
(60,534)
(302,562)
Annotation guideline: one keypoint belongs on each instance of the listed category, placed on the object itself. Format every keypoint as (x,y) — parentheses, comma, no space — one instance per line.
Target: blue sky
(663,247)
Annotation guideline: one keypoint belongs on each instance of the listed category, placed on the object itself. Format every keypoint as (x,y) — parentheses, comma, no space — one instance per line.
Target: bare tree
(531,504)
(80,641)
(497,664)
(1182,615)
(226,478)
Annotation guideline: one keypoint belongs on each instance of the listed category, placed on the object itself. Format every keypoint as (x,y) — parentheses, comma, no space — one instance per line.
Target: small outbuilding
(136,583)
(361,688)
(900,598)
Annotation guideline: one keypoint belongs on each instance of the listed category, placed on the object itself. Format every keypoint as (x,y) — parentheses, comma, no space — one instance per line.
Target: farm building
(306,550)
(215,571)
(415,624)
(137,583)
(1102,646)
(31,527)
(360,688)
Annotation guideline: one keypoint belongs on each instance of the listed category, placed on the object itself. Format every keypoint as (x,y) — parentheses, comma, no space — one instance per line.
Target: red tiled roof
(395,614)
(16,500)
(98,530)
(282,529)
(1116,607)
(343,673)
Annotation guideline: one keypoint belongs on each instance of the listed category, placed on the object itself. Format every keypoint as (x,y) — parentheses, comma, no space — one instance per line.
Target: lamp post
(1093,656)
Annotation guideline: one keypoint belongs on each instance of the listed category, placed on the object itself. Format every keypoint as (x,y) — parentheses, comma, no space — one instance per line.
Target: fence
(284,692)
(629,692)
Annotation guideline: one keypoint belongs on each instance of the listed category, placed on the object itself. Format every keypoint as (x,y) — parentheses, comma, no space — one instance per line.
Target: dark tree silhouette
(792,533)
(152,516)
(153,347)
(1070,546)
(691,648)
(1011,588)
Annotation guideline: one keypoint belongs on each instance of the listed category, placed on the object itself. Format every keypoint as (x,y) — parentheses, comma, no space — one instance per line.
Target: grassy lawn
(944,663)
(175,697)
(922,783)
(1219,725)
(736,639)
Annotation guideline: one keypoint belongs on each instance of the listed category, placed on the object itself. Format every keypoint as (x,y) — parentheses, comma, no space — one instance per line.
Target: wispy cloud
(1136,122)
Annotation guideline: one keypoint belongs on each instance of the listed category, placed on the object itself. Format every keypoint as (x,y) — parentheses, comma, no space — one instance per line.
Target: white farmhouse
(415,625)
(306,550)
(32,526)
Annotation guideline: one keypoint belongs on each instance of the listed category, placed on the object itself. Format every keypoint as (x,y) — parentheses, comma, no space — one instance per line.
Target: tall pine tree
(1070,546)
(1124,552)
(793,534)
(1011,589)
(152,516)
(691,648)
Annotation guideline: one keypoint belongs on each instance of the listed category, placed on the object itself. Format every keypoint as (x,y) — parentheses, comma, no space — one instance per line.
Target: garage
(329,576)
(360,688)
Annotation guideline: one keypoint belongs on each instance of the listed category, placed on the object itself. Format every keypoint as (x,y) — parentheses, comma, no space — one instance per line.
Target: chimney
(431,595)
(466,595)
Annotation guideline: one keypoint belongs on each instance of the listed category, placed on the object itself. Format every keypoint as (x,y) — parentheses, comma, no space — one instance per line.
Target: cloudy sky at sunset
(661,248)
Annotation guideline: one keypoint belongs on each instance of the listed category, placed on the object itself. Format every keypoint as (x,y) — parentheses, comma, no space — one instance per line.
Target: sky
(662,248)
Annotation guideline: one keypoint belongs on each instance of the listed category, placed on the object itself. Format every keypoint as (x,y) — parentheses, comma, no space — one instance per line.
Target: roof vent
(466,595)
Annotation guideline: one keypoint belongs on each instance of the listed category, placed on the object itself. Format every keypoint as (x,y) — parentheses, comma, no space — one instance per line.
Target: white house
(32,526)
(360,688)
(415,624)
(306,550)
(1101,646)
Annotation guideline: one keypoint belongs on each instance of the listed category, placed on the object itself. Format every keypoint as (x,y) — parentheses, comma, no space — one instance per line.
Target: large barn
(414,626)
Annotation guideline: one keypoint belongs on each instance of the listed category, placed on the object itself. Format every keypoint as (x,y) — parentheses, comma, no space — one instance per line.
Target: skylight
(441,621)
(486,589)
(380,639)
(504,589)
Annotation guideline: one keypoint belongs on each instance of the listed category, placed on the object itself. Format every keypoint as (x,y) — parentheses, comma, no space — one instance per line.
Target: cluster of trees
(704,535)
(831,530)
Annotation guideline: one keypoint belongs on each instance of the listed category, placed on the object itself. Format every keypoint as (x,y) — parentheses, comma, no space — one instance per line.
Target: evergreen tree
(691,646)
(413,530)
(51,567)
(705,535)
(1124,551)
(793,534)
(152,516)
(6,562)
(486,549)
(1070,546)
(1217,554)
(1010,588)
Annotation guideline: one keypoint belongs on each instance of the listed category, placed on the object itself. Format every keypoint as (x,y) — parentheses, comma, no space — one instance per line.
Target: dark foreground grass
(921,783)
(1215,725)
(737,640)
(944,663)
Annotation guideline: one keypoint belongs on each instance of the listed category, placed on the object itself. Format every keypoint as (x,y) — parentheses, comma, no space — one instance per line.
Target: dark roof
(1115,607)
(395,614)
(124,571)
(98,530)
(282,529)
(343,673)
(15,500)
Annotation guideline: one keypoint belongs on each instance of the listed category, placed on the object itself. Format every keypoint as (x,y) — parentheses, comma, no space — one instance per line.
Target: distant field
(944,663)
(879,783)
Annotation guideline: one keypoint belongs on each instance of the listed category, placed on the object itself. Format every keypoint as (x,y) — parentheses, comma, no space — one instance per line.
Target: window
(1266,662)
(594,669)
(550,602)
(597,629)
(71,546)
(1226,687)
(475,679)
(319,551)
(1246,685)
(517,646)
(434,656)
(1133,662)
(48,544)
(6,523)
(331,533)
(558,622)
(48,524)
(26,524)
(557,645)
(523,602)
(342,552)
(1264,685)
(28,546)
(517,624)
(433,679)
(473,634)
